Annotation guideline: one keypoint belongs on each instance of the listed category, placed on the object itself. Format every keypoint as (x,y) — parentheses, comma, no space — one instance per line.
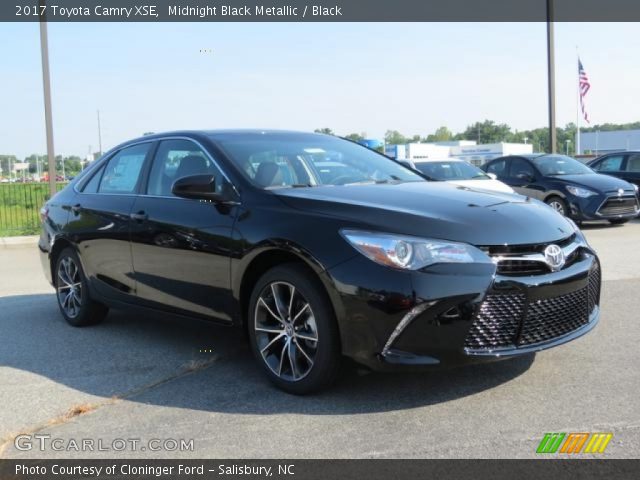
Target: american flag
(584,86)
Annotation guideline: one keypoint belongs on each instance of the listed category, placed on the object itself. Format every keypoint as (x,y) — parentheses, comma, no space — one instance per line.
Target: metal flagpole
(578,152)
(46,85)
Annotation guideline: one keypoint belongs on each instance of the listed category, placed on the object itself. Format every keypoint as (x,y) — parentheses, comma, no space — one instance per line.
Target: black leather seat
(192,165)
(269,175)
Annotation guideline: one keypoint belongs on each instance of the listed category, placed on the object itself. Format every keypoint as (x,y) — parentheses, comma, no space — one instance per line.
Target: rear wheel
(72,291)
(618,221)
(558,204)
(292,330)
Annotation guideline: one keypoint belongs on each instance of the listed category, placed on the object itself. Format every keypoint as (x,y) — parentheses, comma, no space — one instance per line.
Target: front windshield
(451,170)
(279,160)
(560,165)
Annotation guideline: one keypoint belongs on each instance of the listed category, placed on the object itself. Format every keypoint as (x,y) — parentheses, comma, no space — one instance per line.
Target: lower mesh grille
(497,322)
(554,317)
(619,206)
(506,320)
(594,287)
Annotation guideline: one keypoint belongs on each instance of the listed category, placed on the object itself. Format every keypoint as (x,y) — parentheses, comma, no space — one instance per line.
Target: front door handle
(76,208)
(140,216)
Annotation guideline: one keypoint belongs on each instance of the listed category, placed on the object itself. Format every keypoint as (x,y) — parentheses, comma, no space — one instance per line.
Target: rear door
(99,220)
(181,247)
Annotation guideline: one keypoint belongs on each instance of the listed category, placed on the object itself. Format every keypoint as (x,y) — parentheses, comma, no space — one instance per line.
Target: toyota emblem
(554,256)
(620,192)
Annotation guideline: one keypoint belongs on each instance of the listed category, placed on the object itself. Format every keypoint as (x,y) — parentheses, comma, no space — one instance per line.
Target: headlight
(580,192)
(411,253)
(636,187)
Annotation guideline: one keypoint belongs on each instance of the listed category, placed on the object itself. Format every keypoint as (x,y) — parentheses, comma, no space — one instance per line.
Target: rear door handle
(140,216)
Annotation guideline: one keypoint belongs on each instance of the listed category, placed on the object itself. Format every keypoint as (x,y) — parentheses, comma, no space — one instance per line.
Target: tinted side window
(610,164)
(122,173)
(633,163)
(520,168)
(176,159)
(92,185)
(498,167)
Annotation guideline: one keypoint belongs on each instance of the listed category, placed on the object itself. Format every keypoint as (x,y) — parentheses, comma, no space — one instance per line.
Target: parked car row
(571,188)
(568,186)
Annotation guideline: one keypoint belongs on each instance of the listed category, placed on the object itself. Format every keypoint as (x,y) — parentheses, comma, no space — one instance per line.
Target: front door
(523,179)
(181,247)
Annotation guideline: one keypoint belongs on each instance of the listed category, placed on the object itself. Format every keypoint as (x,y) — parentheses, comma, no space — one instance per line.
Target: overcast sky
(349,77)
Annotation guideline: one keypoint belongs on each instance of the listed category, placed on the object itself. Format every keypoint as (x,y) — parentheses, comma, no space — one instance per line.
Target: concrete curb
(17,241)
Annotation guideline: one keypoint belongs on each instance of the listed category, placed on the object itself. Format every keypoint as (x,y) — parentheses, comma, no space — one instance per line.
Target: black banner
(316,11)
(317,469)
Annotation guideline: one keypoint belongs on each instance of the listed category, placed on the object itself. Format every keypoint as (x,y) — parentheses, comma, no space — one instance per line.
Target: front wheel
(618,221)
(293,331)
(558,204)
(72,291)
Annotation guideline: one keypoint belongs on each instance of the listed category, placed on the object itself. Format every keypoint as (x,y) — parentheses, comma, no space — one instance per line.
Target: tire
(295,341)
(72,292)
(618,221)
(558,204)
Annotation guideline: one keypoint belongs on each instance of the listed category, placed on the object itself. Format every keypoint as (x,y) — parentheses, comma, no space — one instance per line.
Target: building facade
(598,142)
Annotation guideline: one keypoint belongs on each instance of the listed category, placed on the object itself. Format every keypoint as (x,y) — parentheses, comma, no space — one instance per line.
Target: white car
(459,172)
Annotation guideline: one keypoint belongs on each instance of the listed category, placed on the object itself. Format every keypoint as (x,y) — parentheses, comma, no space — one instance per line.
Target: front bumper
(447,314)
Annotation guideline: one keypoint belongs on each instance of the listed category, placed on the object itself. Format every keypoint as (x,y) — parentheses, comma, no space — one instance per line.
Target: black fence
(20,205)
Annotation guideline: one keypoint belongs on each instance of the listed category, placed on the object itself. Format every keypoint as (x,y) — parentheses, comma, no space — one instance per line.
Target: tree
(6,162)
(394,137)
(356,137)
(325,130)
(487,132)
(442,134)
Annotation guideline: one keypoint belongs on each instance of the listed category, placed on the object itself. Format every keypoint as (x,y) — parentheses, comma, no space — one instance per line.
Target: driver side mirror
(199,187)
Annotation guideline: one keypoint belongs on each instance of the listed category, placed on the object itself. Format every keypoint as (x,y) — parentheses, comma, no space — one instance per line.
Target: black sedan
(262,230)
(624,165)
(567,185)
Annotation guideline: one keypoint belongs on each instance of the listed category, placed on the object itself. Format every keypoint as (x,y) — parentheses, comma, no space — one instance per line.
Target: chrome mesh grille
(497,322)
(509,320)
(553,317)
(619,206)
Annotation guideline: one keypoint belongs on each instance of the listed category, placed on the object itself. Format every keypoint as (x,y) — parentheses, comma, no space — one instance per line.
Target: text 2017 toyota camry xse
(320,248)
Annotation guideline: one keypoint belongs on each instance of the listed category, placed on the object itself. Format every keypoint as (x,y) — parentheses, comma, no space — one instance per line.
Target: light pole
(99,134)
(567,142)
(551,78)
(48,117)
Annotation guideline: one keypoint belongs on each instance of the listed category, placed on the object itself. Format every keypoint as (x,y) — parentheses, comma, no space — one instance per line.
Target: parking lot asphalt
(138,378)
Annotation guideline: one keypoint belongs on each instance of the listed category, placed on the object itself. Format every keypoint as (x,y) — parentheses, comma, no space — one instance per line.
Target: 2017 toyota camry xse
(320,248)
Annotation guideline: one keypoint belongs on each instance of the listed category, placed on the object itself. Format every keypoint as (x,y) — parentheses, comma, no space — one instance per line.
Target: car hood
(595,181)
(435,210)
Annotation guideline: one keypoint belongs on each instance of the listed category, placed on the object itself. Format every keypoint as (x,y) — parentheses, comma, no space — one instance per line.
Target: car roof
(528,156)
(617,152)
(222,133)
(444,159)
